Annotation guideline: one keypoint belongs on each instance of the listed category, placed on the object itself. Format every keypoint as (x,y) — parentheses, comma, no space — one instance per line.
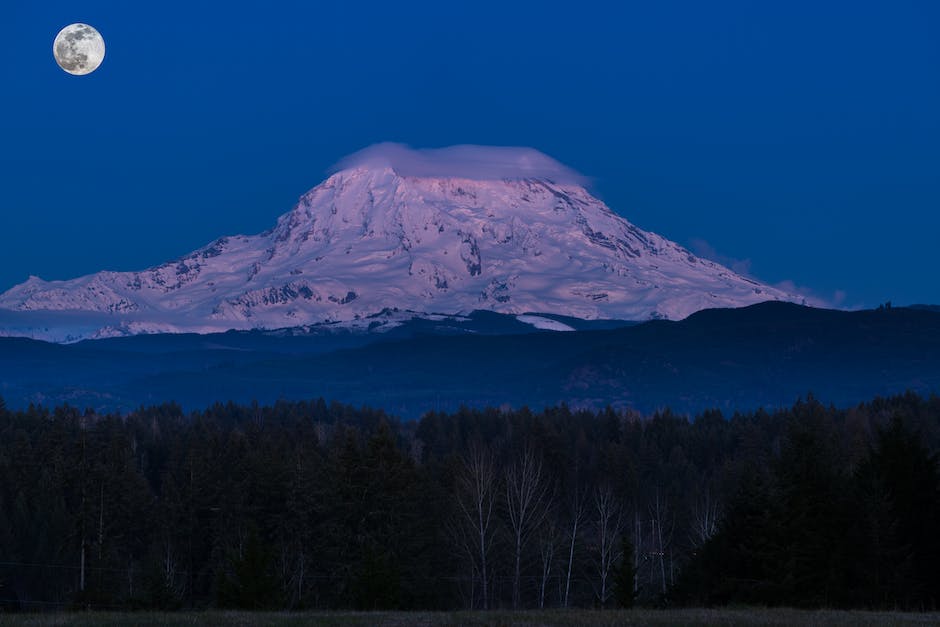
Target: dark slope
(767,354)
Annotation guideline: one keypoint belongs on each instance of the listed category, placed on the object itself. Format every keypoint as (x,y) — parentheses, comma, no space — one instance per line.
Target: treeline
(316,505)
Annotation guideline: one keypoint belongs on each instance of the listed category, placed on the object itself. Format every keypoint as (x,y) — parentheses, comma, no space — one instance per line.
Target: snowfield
(369,239)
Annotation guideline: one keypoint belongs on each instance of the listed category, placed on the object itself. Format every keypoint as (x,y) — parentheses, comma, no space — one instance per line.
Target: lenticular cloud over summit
(467,161)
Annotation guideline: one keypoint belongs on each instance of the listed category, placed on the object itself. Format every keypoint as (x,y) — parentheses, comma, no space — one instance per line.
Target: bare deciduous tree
(476,486)
(548,539)
(639,550)
(577,517)
(706,512)
(526,501)
(607,523)
(661,528)
(464,540)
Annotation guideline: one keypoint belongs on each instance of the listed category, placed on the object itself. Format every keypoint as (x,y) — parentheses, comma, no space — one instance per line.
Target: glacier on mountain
(400,229)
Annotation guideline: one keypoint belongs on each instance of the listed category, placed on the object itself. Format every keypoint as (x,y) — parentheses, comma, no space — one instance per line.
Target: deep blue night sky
(800,138)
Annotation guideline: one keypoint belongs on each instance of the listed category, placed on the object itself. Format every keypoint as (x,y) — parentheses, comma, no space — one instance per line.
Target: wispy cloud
(835,300)
(464,161)
(703,249)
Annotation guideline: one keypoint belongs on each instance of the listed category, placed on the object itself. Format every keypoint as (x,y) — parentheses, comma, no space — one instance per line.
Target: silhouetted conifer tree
(625,575)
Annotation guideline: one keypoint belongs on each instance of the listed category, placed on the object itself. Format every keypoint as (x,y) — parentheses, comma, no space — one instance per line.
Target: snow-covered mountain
(392,230)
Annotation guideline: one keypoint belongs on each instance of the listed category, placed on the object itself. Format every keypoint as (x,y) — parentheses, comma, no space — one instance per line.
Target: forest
(304,505)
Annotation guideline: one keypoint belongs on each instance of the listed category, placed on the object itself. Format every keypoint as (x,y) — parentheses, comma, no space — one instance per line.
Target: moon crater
(78,49)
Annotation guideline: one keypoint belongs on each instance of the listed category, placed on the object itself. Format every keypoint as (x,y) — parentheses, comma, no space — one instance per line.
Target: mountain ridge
(369,239)
(763,355)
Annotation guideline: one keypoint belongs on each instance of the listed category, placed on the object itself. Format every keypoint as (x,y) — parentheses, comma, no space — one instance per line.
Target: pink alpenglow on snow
(444,231)
(479,163)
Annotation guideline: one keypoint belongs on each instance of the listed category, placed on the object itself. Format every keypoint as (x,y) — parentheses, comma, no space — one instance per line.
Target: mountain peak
(448,230)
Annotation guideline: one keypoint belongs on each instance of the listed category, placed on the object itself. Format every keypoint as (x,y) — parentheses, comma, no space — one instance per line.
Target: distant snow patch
(482,163)
(546,324)
(443,317)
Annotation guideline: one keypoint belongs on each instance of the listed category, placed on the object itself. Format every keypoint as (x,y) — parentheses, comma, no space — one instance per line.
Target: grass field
(736,616)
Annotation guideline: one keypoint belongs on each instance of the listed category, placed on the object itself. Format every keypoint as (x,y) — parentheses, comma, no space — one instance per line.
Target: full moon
(78,49)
